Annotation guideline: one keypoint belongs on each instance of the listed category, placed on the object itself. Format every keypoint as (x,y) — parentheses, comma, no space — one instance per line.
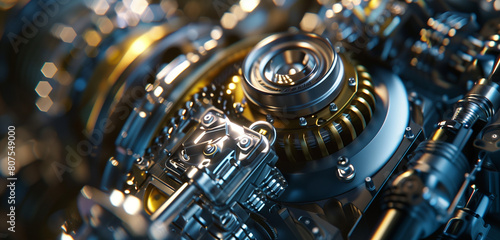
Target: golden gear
(327,130)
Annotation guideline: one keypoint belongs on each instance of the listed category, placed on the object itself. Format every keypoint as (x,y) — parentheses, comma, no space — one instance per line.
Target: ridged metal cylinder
(292,74)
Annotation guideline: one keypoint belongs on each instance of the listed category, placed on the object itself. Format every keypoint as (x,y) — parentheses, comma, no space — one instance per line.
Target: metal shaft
(418,199)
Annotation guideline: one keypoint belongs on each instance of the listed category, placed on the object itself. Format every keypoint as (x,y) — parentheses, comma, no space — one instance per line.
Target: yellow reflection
(153,199)
(235,78)
(137,47)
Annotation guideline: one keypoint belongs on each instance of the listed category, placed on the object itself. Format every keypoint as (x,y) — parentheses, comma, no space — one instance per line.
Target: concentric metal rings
(292,74)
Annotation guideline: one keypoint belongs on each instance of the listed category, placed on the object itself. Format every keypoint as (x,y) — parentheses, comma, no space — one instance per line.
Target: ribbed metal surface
(331,134)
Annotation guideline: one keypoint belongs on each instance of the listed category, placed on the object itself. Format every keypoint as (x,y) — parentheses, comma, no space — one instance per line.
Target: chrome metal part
(250,119)
(296,74)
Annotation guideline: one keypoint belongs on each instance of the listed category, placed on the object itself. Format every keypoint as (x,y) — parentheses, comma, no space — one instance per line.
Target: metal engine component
(298,74)
(250,119)
(234,163)
(437,170)
(318,101)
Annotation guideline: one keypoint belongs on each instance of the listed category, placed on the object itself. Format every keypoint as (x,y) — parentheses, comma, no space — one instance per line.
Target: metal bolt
(113,161)
(302,121)
(142,161)
(184,155)
(245,142)
(345,170)
(189,105)
(208,118)
(409,133)
(238,108)
(352,82)
(210,149)
(369,184)
(269,118)
(333,107)
(343,161)
(182,112)
(223,220)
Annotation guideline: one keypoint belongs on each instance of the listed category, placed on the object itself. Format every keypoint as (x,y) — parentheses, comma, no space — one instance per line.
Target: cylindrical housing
(296,74)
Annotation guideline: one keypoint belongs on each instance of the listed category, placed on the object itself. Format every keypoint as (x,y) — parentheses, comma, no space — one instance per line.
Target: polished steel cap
(292,74)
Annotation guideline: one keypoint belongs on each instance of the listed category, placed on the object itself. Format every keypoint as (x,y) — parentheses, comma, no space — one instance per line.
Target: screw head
(210,149)
(345,170)
(238,108)
(269,118)
(343,161)
(184,155)
(409,133)
(245,142)
(369,184)
(208,118)
(302,121)
(333,107)
(352,82)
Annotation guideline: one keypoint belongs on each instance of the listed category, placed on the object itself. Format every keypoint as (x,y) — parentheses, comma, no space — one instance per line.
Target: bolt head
(210,149)
(208,118)
(333,107)
(269,118)
(352,82)
(409,133)
(343,161)
(245,142)
(345,170)
(302,121)
(238,108)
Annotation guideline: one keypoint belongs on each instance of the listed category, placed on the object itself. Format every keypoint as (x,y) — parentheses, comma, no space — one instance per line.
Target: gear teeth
(256,201)
(275,184)
(330,136)
(212,93)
